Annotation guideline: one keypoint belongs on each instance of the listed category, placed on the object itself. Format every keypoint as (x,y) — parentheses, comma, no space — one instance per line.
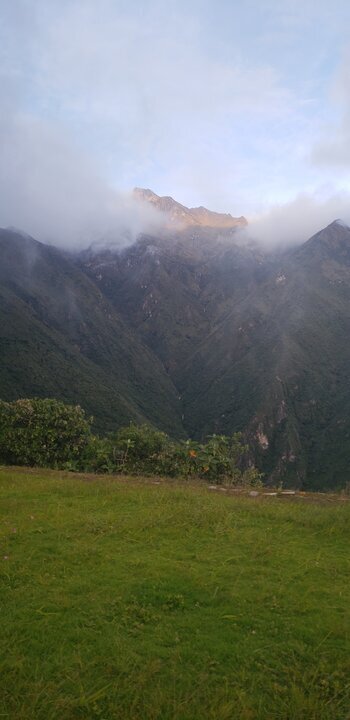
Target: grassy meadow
(131,600)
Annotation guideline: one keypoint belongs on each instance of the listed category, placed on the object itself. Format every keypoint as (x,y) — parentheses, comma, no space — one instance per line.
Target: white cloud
(215,105)
(49,189)
(333,148)
(132,91)
(295,222)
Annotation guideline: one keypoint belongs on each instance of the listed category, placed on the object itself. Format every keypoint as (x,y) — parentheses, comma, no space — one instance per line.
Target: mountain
(61,338)
(278,365)
(197,330)
(173,290)
(250,339)
(183,217)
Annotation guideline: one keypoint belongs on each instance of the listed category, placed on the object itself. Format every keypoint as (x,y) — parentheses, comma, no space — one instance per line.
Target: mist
(293,223)
(99,99)
(51,190)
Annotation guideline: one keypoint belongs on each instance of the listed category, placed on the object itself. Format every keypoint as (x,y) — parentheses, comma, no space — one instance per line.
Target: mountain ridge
(182,216)
(193,331)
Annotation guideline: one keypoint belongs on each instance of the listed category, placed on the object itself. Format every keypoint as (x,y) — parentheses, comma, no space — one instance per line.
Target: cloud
(295,222)
(49,189)
(214,106)
(333,147)
(145,90)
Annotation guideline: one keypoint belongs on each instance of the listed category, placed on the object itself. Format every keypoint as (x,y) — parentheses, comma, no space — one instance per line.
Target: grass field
(134,601)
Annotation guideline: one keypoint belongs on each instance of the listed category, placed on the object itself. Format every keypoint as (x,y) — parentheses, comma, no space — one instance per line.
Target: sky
(241,107)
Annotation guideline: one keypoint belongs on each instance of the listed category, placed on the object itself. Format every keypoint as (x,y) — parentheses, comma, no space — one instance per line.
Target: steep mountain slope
(61,337)
(173,290)
(279,366)
(196,331)
(252,341)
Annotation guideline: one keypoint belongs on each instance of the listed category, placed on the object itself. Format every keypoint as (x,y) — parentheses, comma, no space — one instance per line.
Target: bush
(138,447)
(49,433)
(218,460)
(144,450)
(133,449)
(98,456)
(46,432)
(142,441)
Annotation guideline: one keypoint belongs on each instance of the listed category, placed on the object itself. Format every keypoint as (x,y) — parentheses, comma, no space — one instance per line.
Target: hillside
(196,331)
(252,340)
(60,337)
(173,290)
(278,365)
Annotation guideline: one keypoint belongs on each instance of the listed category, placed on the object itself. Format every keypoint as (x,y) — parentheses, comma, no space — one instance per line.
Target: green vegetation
(193,334)
(126,600)
(59,337)
(41,432)
(48,433)
(141,450)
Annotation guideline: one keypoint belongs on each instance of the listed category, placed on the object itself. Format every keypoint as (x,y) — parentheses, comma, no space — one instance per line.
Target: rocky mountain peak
(183,217)
(332,240)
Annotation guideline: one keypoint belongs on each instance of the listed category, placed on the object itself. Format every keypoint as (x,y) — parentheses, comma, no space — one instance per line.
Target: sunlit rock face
(183,217)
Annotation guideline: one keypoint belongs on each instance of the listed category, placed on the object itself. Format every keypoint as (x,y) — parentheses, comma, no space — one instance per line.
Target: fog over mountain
(216,297)
(294,222)
(194,331)
(50,188)
(247,116)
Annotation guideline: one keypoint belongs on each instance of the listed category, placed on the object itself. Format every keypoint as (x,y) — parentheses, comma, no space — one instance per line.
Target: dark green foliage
(146,451)
(133,449)
(220,459)
(49,433)
(98,456)
(139,445)
(217,458)
(46,433)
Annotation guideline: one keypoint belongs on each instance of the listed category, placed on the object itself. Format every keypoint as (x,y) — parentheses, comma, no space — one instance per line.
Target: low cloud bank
(332,149)
(295,222)
(50,189)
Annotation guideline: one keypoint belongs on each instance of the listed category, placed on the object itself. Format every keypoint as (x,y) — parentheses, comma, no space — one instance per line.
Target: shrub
(98,456)
(49,433)
(217,460)
(138,448)
(46,432)
(133,449)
